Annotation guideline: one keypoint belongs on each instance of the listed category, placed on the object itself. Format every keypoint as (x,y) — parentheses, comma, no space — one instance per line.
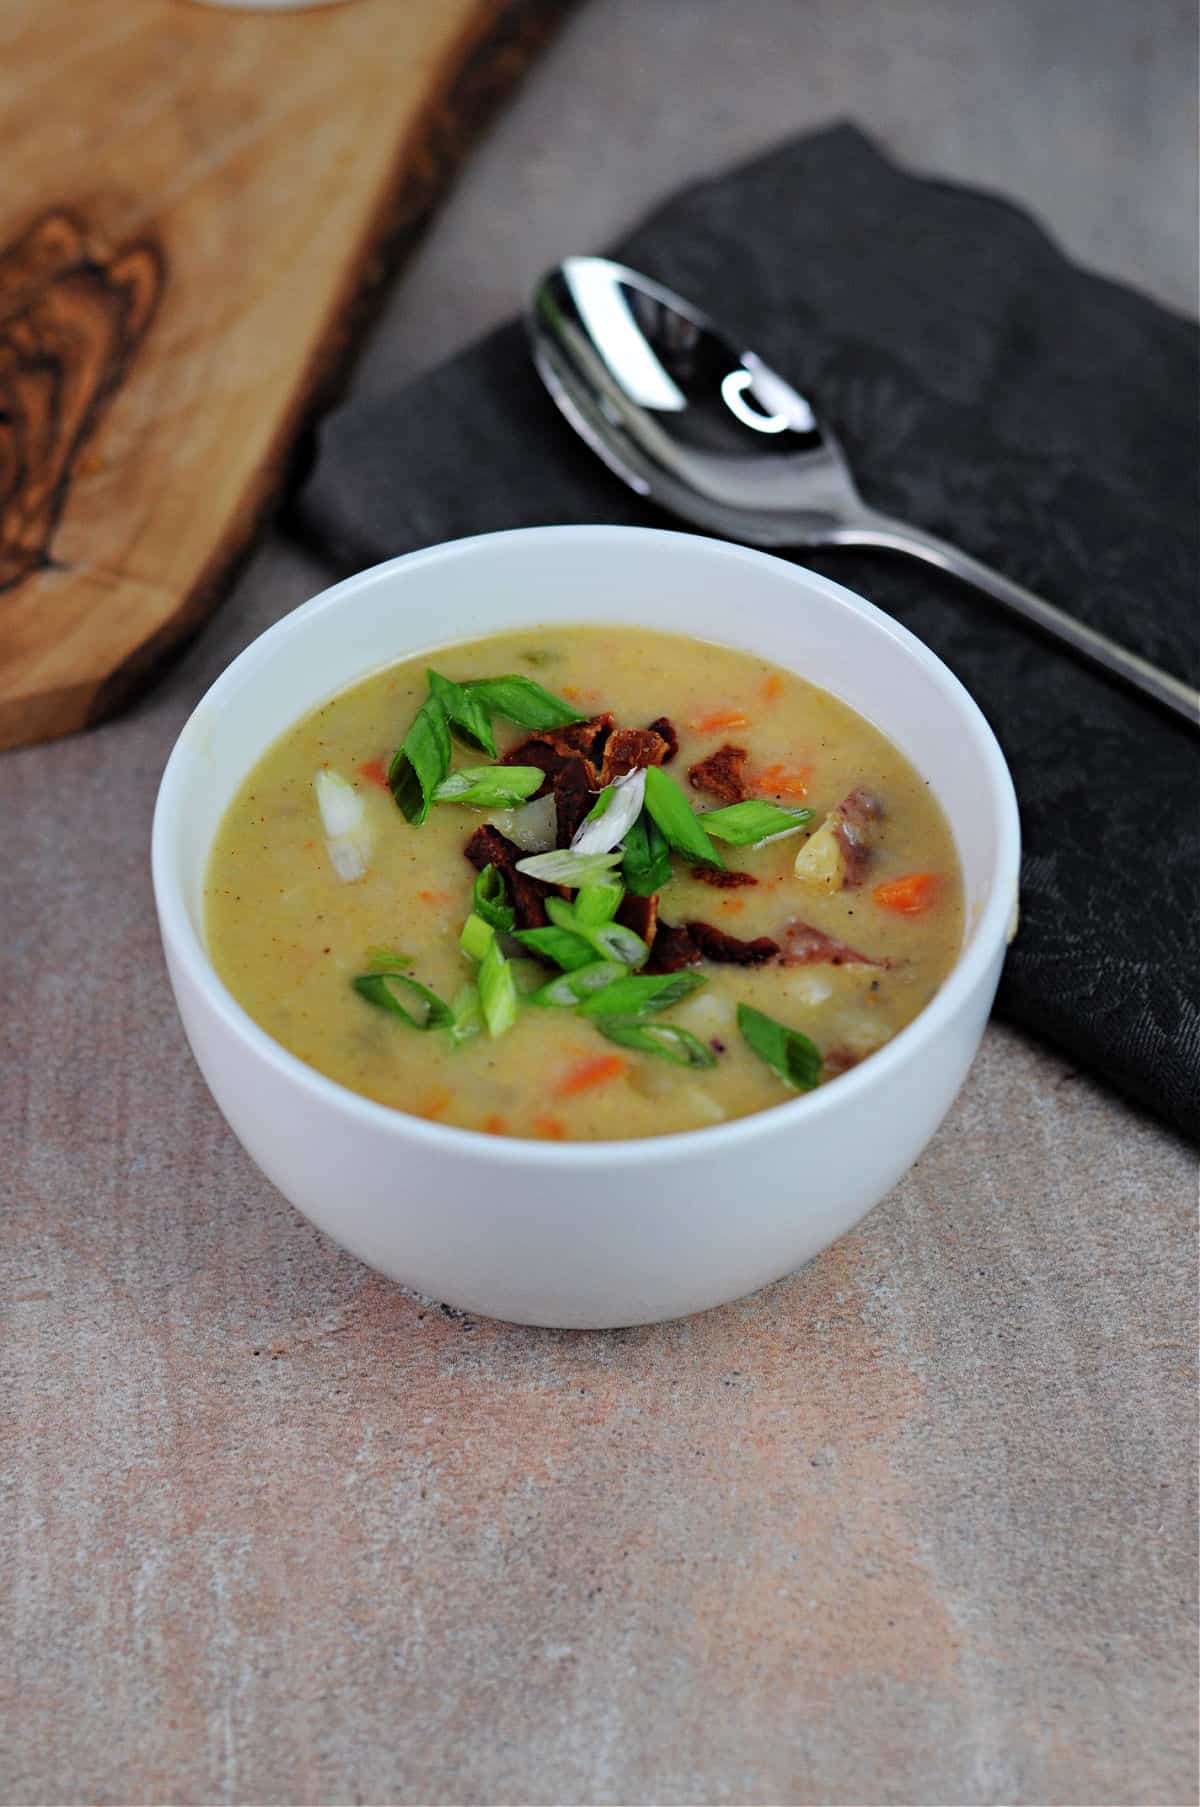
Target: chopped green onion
(344,819)
(385,990)
(751,823)
(421,761)
(646,862)
(601,804)
(560,945)
(490,900)
(498,991)
(674,815)
(598,904)
(574,987)
(476,938)
(606,828)
(468,1015)
(788,1052)
(666,1040)
(562,867)
(611,940)
(466,713)
(490,786)
(643,994)
(387,960)
(524,702)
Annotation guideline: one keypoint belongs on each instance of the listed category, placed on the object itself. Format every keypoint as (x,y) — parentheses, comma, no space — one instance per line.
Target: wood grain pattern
(197,208)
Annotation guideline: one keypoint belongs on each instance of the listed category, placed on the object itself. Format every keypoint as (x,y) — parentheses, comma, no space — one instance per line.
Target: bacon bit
(574,794)
(838,1061)
(639,914)
(550,1129)
(673,949)
(375,772)
(494,1125)
(910,895)
(596,1070)
(805,946)
(783,781)
(771,688)
(488,847)
(664,727)
(721,774)
(728,950)
(628,749)
(733,906)
(719,721)
(438,1100)
(436,897)
(856,825)
(725,878)
(551,747)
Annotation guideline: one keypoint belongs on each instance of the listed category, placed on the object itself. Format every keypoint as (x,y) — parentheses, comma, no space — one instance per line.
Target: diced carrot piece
(720,720)
(772,687)
(437,1101)
(550,1129)
(571,692)
(375,772)
(435,897)
(732,906)
(783,781)
(494,1126)
(909,895)
(596,1070)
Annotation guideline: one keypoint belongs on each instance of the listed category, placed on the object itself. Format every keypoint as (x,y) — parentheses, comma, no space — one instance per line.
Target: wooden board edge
(494,52)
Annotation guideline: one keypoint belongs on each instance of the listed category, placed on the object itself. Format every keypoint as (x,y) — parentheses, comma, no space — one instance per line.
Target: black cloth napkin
(986,388)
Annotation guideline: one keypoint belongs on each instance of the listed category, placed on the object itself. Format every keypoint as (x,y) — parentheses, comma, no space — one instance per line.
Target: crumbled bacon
(627,749)
(575,787)
(723,878)
(639,914)
(837,1061)
(673,949)
(665,729)
(488,847)
(550,748)
(856,824)
(805,946)
(729,950)
(721,774)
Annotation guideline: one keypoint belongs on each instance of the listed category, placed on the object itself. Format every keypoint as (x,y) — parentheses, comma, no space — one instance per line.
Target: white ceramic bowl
(587,1234)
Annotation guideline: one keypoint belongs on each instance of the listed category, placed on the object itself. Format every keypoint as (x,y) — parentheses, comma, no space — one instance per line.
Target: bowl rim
(184,943)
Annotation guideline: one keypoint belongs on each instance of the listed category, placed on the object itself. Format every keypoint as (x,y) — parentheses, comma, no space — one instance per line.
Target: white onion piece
(624,808)
(533,827)
(344,819)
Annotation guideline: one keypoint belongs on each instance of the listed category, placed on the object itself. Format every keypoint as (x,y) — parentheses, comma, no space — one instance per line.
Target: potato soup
(581,884)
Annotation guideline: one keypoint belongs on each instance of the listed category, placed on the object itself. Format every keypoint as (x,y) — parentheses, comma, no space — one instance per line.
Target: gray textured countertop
(916,1525)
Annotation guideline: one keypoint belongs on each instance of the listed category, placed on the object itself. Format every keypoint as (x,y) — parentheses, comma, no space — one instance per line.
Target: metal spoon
(712,434)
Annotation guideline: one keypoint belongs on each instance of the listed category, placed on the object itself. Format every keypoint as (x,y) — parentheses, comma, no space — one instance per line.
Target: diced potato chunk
(706,1015)
(821,862)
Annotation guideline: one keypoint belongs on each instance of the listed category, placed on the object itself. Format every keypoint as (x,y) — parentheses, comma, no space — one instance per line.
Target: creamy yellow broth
(287,936)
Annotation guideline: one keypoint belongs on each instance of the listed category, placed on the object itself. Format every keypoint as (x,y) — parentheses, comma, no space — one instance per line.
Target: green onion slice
(751,823)
(465,712)
(498,991)
(666,1040)
(646,862)
(788,1052)
(419,1007)
(387,960)
(468,1015)
(674,815)
(643,994)
(490,786)
(574,987)
(611,940)
(490,900)
(562,867)
(560,945)
(476,938)
(607,827)
(598,904)
(421,761)
(524,702)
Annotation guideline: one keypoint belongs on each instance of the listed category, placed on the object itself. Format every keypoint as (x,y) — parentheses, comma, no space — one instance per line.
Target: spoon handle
(898,536)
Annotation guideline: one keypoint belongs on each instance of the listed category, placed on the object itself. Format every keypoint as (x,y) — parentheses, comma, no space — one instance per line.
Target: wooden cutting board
(194,205)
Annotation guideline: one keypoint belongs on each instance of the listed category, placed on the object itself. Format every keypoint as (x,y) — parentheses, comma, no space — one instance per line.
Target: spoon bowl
(711,433)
